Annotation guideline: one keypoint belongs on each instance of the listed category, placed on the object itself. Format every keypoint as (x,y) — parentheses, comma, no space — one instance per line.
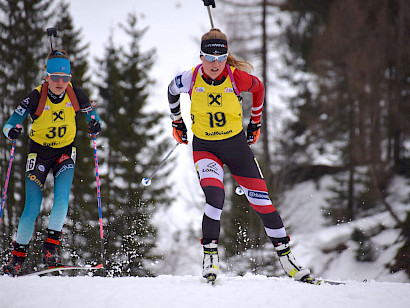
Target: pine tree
(130,149)
(357,52)
(353,103)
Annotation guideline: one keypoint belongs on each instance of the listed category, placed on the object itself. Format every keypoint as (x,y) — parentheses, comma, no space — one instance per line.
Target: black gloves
(253,132)
(209,2)
(14,133)
(94,127)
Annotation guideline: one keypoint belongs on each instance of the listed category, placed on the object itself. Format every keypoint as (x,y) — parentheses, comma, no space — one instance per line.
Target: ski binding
(210,278)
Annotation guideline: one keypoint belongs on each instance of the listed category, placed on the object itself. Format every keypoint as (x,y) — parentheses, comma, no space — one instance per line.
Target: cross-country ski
(63,268)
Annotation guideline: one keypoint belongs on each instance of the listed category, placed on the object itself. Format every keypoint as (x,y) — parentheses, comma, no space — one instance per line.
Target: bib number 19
(216,119)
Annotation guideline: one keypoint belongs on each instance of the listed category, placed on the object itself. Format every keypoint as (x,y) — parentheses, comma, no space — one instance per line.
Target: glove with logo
(209,2)
(14,132)
(94,127)
(179,131)
(253,132)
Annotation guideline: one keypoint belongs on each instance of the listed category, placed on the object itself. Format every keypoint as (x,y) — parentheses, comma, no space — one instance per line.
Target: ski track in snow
(191,291)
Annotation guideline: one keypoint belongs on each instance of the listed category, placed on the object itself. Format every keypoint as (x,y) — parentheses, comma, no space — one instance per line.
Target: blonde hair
(215,33)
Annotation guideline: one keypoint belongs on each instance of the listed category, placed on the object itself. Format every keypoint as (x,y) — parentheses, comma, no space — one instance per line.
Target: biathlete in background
(218,139)
(52,107)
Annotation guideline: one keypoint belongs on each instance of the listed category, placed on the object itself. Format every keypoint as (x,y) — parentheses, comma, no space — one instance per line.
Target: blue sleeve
(91,113)
(16,119)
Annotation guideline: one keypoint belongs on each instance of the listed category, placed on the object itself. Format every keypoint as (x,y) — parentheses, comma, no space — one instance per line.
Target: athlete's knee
(213,212)
(30,212)
(263,209)
(214,196)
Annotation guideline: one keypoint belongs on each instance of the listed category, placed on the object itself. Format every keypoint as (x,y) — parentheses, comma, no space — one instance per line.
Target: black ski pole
(210,17)
(208,3)
(147,181)
(51,32)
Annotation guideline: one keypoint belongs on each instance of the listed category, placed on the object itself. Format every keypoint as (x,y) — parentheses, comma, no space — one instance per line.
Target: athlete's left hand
(14,132)
(253,132)
(94,127)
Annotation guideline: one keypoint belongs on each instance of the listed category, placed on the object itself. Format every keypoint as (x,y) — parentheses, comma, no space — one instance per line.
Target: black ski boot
(18,257)
(50,253)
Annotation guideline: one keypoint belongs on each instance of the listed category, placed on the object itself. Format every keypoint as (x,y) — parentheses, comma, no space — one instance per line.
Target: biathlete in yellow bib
(52,107)
(214,87)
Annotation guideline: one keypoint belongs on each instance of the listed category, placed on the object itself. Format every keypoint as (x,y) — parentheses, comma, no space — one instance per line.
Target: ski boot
(50,253)
(210,264)
(288,262)
(18,257)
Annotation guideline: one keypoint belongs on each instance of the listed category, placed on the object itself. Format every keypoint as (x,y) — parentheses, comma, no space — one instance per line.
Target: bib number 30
(56,132)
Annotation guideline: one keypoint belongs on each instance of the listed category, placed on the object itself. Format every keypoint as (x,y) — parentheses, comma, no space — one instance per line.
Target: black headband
(214,46)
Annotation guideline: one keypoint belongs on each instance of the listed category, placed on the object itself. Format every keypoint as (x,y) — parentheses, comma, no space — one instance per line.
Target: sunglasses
(56,77)
(212,58)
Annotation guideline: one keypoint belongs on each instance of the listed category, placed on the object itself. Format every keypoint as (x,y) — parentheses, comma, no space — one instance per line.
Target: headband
(58,65)
(214,46)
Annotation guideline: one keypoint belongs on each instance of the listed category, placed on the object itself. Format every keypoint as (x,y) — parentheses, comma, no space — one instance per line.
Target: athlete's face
(59,86)
(212,69)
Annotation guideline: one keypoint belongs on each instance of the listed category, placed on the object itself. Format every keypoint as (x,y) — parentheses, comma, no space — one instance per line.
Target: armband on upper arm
(89,108)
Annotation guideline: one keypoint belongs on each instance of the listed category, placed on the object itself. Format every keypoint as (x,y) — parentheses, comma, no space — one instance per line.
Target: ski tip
(317,281)
(94,266)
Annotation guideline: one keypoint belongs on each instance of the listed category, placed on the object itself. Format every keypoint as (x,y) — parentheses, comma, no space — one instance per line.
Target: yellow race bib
(56,126)
(216,111)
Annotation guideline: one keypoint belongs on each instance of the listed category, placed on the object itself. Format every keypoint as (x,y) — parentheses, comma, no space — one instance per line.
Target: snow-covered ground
(190,291)
(183,287)
(313,243)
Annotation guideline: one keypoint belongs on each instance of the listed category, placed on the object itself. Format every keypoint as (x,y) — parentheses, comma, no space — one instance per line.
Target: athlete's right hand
(179,131)
(14,133)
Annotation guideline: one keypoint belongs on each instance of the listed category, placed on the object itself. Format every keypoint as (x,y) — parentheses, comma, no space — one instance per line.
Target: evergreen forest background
(345,113)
